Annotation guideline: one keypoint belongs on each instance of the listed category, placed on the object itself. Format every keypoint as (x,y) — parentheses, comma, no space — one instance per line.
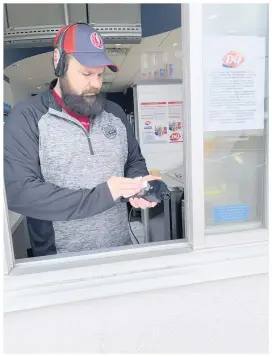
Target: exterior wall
(227,316)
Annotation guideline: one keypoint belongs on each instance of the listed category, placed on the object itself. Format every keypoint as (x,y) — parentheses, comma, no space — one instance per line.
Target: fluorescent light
(175,44)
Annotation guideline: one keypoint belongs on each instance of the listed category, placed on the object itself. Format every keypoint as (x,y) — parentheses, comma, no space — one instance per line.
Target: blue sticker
(233,213)
(162,72)
(171,70)
(7,108)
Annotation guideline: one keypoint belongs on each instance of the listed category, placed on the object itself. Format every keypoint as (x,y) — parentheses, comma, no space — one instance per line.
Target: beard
(89,103)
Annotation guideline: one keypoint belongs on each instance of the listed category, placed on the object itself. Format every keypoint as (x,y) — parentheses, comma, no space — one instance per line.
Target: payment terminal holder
(152,191)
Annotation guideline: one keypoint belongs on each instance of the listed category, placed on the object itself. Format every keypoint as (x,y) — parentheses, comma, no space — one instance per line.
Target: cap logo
(96,40)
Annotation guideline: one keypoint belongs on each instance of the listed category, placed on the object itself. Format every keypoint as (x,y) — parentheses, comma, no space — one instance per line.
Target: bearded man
(70,155)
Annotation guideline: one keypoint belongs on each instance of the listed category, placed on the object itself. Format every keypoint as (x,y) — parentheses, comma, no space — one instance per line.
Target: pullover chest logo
(109,131)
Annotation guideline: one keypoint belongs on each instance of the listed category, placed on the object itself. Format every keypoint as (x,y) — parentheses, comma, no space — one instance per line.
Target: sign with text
(234,82)
(231,214)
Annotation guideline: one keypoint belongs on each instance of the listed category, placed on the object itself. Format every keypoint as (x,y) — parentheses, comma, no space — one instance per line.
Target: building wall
(227,316)
(8,96)
(19,92)
(13,93)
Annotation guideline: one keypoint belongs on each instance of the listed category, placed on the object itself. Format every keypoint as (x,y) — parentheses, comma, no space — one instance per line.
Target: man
(70,155)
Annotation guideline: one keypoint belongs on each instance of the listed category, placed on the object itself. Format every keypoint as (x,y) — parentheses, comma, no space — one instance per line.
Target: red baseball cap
(86,45)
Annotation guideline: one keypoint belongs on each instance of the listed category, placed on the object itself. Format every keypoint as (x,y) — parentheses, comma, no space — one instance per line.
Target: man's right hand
(122,186)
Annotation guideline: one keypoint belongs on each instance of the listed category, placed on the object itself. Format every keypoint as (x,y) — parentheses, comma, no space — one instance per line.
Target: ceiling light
(15,65)
(175,44)
(29,78)
(118,44)
(39,87)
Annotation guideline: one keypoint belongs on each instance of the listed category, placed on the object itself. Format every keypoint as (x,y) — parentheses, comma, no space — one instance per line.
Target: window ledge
(35,290)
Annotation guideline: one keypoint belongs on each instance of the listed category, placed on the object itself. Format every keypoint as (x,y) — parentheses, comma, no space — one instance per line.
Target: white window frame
(51,280)
(9,259)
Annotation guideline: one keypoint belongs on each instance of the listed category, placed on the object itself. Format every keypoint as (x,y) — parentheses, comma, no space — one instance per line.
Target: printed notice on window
(153,111)
(175,122)
(234,82)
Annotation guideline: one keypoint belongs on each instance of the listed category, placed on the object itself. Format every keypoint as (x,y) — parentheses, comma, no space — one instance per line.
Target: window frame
(247,232)
(153,257)
(9,259)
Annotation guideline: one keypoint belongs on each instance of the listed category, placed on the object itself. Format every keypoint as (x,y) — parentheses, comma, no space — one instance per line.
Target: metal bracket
(43,35)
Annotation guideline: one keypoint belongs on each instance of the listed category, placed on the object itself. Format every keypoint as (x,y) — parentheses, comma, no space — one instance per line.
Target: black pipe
(87,14)
(7,18)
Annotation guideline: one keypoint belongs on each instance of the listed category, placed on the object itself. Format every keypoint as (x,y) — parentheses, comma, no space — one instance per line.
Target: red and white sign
(153,111)
(153,103)
(97,40)
(175,137)
(233,59)
(234,83)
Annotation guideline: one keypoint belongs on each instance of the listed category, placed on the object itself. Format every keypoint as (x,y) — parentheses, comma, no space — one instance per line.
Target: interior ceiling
(34,73)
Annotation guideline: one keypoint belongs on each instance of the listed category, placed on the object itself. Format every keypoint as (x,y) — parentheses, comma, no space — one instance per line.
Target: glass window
(71,166)
(235,50)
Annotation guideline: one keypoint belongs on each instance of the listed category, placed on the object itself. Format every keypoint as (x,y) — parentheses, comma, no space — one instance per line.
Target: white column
(193,123)
(9,260)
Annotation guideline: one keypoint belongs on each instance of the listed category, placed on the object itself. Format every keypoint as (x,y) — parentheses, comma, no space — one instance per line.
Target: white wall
(228,316)
(19,92)
(8,96)
(14,92)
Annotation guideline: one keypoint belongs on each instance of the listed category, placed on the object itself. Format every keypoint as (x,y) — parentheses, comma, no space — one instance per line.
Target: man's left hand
(140,202)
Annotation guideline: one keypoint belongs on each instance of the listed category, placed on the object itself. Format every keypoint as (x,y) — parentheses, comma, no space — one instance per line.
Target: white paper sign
(159,124)
(154,110)
(175,121)
(234,81)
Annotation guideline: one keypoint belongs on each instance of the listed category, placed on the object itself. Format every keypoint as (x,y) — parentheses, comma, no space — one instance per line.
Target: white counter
(172,183)
(14,220)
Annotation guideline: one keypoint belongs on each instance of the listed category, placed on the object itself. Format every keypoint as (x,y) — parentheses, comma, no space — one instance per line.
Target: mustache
(91,91)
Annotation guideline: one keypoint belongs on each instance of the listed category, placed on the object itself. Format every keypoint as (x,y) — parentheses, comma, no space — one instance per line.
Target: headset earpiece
(60,67)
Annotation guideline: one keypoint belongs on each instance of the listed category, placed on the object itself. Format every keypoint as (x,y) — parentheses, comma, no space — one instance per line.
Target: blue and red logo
(233,59)
(97,40)
(175,137)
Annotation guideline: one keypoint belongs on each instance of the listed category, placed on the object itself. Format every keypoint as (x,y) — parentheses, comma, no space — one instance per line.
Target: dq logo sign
(148,124)
(233,59)
(175,137)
